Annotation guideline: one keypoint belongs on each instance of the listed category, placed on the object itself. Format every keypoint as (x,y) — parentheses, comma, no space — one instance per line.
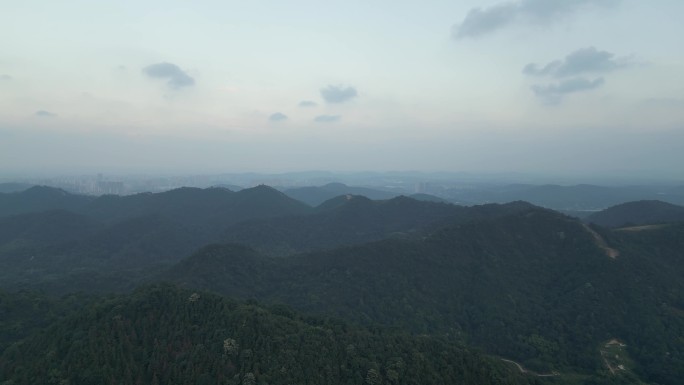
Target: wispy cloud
(277,117)
(307,103)
(327,118)
(574,69)
(338,94)
(5,77)
(553,93)
(482,21)
(45,114)
(175,76)
(585,60)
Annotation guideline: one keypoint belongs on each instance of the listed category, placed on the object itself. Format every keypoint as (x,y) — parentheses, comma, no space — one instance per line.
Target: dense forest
(163,335)
(451,294)
(531,286)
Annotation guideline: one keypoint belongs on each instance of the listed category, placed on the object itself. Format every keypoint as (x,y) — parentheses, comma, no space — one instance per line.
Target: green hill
(194,206)
(315,195)
(40,198)
(44,228)
(112,242)
(518,281)
(638,214)
(163,335)
(344,220)
(534,286)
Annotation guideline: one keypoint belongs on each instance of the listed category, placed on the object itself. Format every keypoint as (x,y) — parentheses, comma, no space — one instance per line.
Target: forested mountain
(534,286)
(638,214)
(40,198)
(353,219)
(315,195)
(194,206)
(557,197)
(143,232)
(44,228)
(428,198)
(163,335)
(111,242)
(516,280)
(190,205)
(58,250)
(129,238)
(23,313)
(344,220)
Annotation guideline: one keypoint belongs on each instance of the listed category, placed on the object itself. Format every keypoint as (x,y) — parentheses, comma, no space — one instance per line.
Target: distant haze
(557,87)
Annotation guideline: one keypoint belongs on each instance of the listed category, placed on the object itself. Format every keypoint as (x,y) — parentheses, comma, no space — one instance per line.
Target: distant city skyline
(529,86)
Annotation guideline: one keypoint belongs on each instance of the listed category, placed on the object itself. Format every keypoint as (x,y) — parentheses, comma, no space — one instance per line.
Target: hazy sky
(565,86)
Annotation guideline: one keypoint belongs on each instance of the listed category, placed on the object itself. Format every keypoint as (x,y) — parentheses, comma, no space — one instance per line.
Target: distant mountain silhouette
(428,198)
(577,197)
(315,195)
(638,213)
(124,237)
(194,205)
(344,220)
(40,198)
(231,187)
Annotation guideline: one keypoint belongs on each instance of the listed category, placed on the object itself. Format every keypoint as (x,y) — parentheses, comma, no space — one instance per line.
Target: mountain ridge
(639,213)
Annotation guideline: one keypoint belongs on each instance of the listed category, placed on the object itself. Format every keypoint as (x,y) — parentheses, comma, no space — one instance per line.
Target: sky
(535,86)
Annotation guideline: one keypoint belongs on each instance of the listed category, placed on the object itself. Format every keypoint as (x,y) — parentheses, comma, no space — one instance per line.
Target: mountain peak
(262,191)
(43,191)
(346,200)
(644,212)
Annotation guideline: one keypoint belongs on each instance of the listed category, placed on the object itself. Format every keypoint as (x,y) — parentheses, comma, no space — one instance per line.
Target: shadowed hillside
(315,195)
(534,286)
(344,220)
(638,214)
(40,198)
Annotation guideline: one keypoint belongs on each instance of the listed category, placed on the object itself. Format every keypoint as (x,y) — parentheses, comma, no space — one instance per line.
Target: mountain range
(541,289)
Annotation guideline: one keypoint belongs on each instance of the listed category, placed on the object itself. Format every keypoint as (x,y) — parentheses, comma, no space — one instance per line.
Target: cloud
(482,21)
(585,60)
(553,93)
(574,68)
(338,94)
(45,114)
(277,117)
(327,118)
(5,77)
(176,77)
(307,103)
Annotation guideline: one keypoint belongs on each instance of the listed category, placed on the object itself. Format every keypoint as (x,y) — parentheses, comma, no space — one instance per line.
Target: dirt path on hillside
(526,371)
(641,228)
(601,243)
